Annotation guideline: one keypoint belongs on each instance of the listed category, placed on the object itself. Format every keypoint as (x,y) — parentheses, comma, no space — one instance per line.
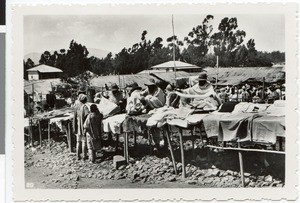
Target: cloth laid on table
(245,107)
(276,109)
(157,115)
(266,129)
(235,125)
(108,108)
(114,123)
(195,118)
(177,117)
(135,123)
(59,120)
(168,114)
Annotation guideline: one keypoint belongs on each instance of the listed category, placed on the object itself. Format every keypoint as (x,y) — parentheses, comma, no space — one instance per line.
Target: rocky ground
(55,167)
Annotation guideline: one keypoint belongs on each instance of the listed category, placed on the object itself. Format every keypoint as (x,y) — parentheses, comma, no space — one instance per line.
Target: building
(43,72)
(175,65)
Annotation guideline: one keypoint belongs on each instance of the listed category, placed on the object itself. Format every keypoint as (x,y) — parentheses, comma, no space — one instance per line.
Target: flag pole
(174,46)
(217,78)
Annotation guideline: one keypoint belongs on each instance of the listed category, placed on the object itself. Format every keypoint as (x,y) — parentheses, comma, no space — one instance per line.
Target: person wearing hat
(81,112)
(116,96)
(134,102)
(205,89)
(154,96)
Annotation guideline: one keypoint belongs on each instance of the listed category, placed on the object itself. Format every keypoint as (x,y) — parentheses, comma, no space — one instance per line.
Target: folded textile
(164,115)
(266,129)
(114,123)
(195,118)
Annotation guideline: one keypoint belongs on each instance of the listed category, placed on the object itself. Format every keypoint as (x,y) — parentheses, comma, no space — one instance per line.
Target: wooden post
(40,132)
(30,132)
(182,153)
(263,90)
(49,129)
(117,143)
(69,136)
(193,142)
(241,165)
(134,137)
(126,156)
(171,148)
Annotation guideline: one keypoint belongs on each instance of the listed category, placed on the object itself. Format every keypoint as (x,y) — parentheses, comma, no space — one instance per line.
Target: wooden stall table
(189,123)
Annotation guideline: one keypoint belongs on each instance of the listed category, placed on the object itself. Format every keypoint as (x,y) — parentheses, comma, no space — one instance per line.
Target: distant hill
(99,53)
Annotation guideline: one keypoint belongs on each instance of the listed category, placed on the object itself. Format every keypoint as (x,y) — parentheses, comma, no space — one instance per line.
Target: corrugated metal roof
(45,69)
(40,86)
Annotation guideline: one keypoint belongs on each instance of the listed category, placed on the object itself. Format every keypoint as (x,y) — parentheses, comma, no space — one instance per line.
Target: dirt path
(57,168)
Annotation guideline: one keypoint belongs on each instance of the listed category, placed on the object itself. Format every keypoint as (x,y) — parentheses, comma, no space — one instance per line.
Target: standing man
(81,112)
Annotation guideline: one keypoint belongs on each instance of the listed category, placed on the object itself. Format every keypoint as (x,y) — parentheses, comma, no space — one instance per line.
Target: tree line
(200,47)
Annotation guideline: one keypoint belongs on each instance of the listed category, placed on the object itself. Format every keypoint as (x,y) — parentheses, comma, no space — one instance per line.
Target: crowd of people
(135,100)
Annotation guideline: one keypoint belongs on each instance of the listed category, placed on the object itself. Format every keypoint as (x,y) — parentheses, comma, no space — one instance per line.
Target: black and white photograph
(154,101)
(163,99)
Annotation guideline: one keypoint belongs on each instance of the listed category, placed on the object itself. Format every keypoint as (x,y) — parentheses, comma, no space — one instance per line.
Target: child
(92,128)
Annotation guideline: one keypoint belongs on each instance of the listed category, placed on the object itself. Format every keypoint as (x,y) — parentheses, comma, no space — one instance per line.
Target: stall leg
(182,153)
(150,141)
(69,136)
(49,129)
(30,132)
(40,133)
(193,143)
(134,137)
(241,165)
(117,143)
(126,156)
(171,149)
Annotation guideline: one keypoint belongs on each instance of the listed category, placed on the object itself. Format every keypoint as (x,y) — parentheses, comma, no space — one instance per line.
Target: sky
(114,32)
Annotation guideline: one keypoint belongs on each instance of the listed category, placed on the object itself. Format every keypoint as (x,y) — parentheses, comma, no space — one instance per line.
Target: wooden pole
(193,143)
(174,57)
(182,153)
(246,150)
(241,165)
(40,132)
(30,132)
(217,78)
(126,148)
(49,129)
(134,137)
(117,143)
(263,90)
(171,148)
(69,136)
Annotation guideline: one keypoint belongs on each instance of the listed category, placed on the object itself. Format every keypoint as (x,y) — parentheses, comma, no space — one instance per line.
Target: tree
(227,40)
(27,65)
